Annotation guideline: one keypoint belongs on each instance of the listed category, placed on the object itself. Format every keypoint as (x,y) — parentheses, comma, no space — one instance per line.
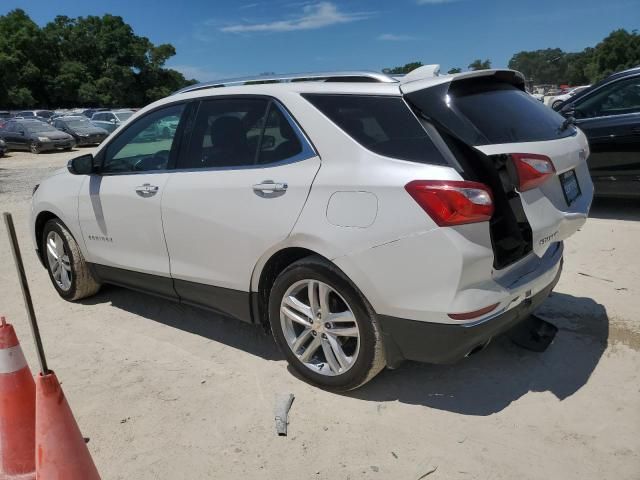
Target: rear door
(236,192)
(491,112)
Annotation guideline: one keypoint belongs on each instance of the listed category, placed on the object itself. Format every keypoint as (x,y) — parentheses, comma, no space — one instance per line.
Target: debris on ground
(283,404)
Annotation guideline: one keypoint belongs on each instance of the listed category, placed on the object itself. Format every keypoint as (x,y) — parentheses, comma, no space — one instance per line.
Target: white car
(365,220)
(555,101)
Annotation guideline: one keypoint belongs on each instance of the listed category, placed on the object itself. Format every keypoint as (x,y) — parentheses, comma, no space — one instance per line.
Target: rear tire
(555,105)
(68,270)
(315,310)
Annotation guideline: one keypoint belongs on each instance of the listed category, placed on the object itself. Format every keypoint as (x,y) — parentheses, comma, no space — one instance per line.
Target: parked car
(4,117)
(365,222)
(90,111)
(35,136)
(3,148)
(609,114)
(81,129)
(44,115)
(555,101)
(110,120)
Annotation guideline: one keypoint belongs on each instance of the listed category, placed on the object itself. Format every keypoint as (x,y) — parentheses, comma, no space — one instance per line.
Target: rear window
(384,125)
(503,113)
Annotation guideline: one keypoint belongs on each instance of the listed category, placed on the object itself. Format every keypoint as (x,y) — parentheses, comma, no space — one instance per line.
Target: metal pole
(15,249)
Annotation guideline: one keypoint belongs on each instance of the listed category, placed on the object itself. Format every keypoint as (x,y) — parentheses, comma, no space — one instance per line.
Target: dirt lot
(165,391)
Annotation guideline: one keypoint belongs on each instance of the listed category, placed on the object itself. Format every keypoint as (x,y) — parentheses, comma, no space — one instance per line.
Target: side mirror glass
(113,120)
(82,165)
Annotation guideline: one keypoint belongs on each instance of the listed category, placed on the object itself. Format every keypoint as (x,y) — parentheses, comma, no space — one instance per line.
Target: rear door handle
(269,188)
(147,190)
(635,130)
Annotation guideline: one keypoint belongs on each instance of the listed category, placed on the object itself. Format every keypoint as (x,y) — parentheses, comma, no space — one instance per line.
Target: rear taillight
(450,202)
(532,169)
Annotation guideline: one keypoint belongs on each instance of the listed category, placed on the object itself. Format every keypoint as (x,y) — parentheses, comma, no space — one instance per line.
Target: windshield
(78,123)
(122,116)
(40,127)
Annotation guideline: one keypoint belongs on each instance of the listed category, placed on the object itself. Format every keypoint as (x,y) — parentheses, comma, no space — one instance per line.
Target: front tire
(324,326)
(68,270)
(33,148)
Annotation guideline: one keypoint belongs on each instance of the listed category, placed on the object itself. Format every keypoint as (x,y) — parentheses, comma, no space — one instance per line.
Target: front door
(610,117)
(119,208)
(237,191)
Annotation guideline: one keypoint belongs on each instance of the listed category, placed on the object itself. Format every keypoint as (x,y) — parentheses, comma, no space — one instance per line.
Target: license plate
(570,186)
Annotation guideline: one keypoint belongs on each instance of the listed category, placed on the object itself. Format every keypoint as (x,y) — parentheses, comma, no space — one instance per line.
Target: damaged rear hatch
(533,160)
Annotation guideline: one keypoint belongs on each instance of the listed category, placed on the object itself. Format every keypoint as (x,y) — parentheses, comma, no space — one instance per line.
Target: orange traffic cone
(61,452)
(17,408)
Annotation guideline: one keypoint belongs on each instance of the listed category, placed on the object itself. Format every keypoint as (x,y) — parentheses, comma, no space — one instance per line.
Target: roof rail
(348,76)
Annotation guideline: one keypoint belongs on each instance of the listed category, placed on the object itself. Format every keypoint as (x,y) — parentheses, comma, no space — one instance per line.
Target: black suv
(609,114)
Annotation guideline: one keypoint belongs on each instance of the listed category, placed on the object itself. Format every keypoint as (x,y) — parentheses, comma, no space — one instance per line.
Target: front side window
(143,145)
(384,125)
(618,98)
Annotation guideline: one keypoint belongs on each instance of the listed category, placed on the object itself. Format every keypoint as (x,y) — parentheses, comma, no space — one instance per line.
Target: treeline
(85,61)
(620,50)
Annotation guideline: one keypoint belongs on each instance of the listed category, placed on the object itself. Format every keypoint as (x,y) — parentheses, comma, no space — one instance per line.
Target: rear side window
(503,113)
(384,125)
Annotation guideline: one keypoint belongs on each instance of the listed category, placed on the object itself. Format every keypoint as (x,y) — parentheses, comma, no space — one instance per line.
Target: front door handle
(147,190)
(269,188)
(635,130)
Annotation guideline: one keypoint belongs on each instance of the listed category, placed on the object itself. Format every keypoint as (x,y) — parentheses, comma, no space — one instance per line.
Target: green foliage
(620,50)
(404,69)
(480,65)
(88,61)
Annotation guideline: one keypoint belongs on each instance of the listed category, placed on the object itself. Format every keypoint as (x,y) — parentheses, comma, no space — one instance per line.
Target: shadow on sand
(479,385)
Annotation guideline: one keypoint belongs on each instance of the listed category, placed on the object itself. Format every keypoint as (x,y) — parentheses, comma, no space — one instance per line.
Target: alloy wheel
(58,259)
(320,327)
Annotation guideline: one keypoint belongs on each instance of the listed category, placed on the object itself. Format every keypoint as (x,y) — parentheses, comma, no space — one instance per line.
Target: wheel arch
(41,220)
(276,263)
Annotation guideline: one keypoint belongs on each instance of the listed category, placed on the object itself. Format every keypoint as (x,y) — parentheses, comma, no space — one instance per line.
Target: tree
(480,65)
(404,69)
(620,50)
(541,66)
(454,70)
(81,61)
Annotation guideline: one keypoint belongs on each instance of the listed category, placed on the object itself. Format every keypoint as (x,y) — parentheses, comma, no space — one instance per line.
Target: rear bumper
(446,343)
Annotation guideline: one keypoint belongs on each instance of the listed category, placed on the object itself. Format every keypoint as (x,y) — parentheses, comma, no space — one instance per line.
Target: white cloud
(392,37)
(434,2)
(318,15)
(199,73)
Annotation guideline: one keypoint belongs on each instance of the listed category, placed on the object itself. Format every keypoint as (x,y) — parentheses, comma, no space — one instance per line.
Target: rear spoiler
(513,77)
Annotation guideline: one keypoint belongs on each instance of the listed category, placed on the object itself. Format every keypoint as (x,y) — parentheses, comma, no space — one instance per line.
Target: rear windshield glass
(503,113)
(384,125)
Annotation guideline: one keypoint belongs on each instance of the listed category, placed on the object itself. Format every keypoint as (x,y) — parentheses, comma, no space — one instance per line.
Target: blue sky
(217,39)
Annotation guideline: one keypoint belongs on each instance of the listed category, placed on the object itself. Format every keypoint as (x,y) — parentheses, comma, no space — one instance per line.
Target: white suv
(365,219)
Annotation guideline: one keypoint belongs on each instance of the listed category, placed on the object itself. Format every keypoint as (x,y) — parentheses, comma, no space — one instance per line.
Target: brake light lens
(450,202)
(533,170)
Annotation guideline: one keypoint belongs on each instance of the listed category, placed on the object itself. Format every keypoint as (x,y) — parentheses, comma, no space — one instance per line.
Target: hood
(90,130)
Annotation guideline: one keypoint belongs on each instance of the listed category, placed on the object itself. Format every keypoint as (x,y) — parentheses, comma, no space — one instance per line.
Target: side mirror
(568,110)
(113,120)
(82,165)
